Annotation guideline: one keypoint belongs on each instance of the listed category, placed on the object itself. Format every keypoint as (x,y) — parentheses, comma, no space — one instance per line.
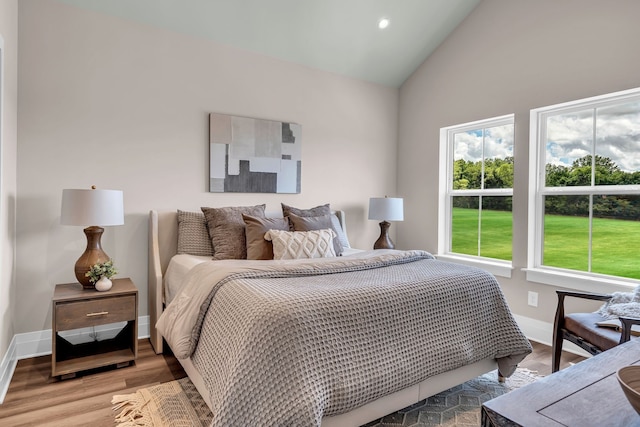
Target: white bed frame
(163,244)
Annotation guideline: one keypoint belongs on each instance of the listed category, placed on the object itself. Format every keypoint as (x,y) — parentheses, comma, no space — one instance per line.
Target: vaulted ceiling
(340,36)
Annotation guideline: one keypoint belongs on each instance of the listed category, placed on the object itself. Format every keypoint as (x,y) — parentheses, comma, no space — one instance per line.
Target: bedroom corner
(138,98)
(8,183)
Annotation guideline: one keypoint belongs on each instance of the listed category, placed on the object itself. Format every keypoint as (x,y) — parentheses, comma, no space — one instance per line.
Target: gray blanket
(626,304)
(285,348)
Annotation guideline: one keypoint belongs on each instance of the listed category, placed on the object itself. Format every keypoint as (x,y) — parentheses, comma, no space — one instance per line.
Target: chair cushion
(584,325)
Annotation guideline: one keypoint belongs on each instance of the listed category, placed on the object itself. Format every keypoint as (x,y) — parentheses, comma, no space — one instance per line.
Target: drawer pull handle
(100,313)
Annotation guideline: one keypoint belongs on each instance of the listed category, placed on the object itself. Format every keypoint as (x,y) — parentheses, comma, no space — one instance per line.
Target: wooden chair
(581,328)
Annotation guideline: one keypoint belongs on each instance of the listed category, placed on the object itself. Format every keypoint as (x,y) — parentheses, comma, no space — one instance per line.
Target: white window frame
(536,271)
(446,192)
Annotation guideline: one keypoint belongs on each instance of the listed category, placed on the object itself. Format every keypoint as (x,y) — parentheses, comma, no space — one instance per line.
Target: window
(476,189)
(585,188)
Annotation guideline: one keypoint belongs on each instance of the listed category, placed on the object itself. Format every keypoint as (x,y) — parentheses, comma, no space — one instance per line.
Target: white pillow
(337,227)
(301,244)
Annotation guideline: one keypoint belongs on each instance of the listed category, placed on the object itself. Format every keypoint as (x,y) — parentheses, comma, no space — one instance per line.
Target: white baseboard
(38,343)
(7,368)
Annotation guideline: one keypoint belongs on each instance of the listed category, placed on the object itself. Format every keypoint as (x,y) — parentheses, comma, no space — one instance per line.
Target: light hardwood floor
(36,399)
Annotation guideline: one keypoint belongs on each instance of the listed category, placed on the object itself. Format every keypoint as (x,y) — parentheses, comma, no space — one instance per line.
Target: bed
(334,341)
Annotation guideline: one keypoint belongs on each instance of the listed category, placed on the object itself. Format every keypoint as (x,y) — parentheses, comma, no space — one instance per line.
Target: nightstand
(75,308)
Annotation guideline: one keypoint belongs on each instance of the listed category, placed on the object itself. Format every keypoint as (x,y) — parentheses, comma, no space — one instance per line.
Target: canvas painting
(253,155)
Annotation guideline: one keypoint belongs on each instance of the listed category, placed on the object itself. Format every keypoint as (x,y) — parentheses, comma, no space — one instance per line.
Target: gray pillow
(317,211)
(309,223)
(226,230)
(193,236)
(255,229)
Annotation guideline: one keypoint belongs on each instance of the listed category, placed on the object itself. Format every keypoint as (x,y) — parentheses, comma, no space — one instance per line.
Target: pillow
(193,237)
(226,230)
(317,211)
(255,229)
(309,223)
(301,244)
(341,235)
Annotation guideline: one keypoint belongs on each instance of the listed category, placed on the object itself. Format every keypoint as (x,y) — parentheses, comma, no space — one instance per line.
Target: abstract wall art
(253,155)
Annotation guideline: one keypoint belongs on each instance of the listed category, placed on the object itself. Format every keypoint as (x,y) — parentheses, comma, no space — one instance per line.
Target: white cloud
(498,143)
(570,136)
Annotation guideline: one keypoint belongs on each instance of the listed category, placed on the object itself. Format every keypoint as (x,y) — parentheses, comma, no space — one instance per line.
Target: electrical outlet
(532,299)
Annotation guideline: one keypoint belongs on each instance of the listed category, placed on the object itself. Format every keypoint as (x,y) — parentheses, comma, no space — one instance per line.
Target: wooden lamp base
(92,255)
(384,241)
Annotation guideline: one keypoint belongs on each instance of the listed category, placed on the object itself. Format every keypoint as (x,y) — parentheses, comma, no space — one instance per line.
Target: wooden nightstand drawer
(81,314)
(76,308)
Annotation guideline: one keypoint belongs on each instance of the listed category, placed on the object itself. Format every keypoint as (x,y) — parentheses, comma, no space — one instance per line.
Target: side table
(586,394)
(75,308)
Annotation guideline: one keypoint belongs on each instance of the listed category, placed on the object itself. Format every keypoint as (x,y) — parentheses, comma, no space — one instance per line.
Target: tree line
(499,174)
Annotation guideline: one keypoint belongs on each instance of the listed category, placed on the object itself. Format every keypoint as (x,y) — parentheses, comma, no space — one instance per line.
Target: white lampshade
(92,207)
(386,209)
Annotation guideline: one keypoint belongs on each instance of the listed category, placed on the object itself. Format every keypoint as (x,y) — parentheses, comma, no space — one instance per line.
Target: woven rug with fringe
(178,404)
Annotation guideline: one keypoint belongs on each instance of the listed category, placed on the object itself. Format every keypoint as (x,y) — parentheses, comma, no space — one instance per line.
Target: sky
(617,136)
(569,137)
(498,143)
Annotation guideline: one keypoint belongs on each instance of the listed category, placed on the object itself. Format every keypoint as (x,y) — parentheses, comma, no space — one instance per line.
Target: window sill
(580,282)
(497,268)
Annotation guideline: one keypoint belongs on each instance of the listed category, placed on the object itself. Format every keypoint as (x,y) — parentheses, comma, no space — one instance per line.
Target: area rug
(178,404)
(458,406)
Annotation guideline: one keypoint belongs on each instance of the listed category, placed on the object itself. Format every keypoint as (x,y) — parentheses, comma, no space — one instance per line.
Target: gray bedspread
(289,345)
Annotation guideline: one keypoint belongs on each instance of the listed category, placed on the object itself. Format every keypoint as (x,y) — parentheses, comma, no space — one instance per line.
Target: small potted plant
(100,275)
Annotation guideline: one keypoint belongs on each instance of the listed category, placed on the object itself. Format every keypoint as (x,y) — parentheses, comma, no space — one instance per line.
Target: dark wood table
(586,394)
(76,308)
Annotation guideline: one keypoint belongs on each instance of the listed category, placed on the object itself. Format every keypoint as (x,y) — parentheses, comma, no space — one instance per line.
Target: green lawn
(496,233)
(616,243)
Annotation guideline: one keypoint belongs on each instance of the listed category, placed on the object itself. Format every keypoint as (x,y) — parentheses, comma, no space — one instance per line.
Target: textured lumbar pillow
(301,244)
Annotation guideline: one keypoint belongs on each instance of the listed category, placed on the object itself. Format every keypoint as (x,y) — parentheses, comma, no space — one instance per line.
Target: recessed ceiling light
(383,23)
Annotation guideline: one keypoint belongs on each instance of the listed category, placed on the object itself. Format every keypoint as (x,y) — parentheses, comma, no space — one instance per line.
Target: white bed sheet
(180,265)
(177,269)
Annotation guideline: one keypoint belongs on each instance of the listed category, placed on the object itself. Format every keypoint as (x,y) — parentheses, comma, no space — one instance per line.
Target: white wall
(125,106)
(121,105)
(8,141)
(509,57)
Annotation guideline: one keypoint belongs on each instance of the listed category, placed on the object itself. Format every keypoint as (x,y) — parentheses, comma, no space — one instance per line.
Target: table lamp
(92,208)
(385,209)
